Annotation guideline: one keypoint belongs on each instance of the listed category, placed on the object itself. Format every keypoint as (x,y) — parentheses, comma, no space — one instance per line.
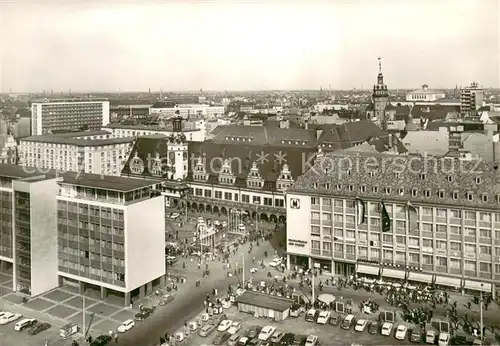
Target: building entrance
(345,269)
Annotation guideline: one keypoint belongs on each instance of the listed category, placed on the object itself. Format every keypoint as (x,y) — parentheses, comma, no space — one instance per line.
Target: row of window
(91,270)
(95,211)
(229,196)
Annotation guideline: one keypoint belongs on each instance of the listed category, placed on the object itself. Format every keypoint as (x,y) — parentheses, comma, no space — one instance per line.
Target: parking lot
(328,334)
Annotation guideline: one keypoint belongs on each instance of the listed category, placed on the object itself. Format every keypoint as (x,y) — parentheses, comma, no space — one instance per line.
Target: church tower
(380,97)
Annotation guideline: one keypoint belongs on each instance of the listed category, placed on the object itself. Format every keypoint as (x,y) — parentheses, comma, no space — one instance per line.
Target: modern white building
(95,152)
(441,223)
(68,114)
(190,110)
(192,134)
(424,95)
(471,99)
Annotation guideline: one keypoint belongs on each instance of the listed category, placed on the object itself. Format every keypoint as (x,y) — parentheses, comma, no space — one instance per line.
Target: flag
(360,211)
(412,217)
(386,219)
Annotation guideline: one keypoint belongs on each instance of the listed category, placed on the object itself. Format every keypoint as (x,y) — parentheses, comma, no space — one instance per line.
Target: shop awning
(477,286)
(393,273)
(365,269)
(419,277)
(450,282)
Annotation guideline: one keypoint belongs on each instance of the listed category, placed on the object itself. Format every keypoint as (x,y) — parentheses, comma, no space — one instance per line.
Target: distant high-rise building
(471,99)
(68,114)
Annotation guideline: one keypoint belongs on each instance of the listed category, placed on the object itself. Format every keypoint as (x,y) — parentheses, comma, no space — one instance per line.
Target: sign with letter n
(294,203)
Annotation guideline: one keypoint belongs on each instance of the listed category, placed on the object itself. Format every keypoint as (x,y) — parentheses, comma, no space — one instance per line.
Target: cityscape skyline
(252,46)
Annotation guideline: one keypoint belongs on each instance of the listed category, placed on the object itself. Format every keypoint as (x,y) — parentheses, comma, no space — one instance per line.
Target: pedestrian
(469,305)
(110,333)
(116,338)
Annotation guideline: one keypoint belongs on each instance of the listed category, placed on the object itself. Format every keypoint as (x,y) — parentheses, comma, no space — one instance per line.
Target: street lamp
(257,202)
(481,311)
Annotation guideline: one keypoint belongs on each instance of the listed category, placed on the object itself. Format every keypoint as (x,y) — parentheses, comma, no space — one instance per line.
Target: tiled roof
(430,142)
(77,142)
(146,148)
(261,135)
(435,112)
(346,135)
(242,156)
(346,174)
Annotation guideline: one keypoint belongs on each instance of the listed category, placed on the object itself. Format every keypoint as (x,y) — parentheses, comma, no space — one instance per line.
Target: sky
(128,45)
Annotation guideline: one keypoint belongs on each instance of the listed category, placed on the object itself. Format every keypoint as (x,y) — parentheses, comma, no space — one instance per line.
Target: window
(450,178)
(470,196)
(338,218)
(339,186)
(387,238)
(374,236)
(485,267)
(470,249)
(338,203)
(426,227)
(426,211)
(427,243)
(478,180)
(374,254)
(350,204)
(327,201)
(400,224)
(339,248)
(414,258)
(484,197)
(327,246)
(314,201)
(470,265)
(455,263)
(327,186)
(387,190)
(441,194)
(401,191)
(470,232)
(315,244)
(414,193)
(362,236)
(457,214)
(441,244)
(363,252)
(375,189)
(441,212)
(441,261)
(351,187)
(427,259)
(485,250)
(470,215)
(441,228)
(350,249)
(315,215)
(401,239)
(362,188)
(339,232)
(400,256)
(427,193)
(327,216)
(485,217)
(350,234)
(457,230)
(423,176)
(388,255)
(485,233)
(315,230)
(454,195)
(397,175)
(455,246)
(414,242)
(349,219)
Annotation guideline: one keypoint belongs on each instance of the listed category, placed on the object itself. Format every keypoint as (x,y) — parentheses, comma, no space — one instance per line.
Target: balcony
(339,255)
(440,235)
(455,221)
(456,237)
(350,256)
(470,239)
(327,253)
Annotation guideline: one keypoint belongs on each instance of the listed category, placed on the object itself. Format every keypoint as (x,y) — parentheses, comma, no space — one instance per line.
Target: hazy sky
(216,45)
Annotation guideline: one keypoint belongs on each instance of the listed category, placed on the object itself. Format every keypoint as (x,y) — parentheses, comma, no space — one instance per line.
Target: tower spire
(379,65)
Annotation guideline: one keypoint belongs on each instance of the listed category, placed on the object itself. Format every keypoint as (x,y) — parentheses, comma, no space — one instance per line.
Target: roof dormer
(199,171)
(226,175)
(254,179)
(285,179)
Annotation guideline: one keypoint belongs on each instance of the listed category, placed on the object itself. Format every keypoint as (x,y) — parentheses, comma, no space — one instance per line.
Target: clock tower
(380,97)
(177,152)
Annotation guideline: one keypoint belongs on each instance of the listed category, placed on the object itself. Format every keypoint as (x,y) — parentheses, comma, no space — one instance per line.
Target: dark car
(254,342)
(287,340)
(460,340)
(145,313)
(38,328)
(221,338)
(335,320)
(416,336)
(253,332)
(218,319)
(374,327)
(167,298)
(300,340)
(101,340)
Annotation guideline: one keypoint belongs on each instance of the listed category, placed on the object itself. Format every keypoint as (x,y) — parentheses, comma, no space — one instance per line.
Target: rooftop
(69,100)
(74,134)
(263,300)
(77,142)
(426,180)
(18,172)
(145,128)
(120,184)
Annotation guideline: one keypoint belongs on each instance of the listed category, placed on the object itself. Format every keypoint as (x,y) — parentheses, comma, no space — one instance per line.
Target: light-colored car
(266,333)
(323,317)
(9,317)
(401,331)
(216,223)
(312,340)
(206,330)
(224,223)
(360,325)
(235,327)
(386,329)
(277,336)
(274,263)
(224,325)
(174,215)
(444,339)
(201,219)
(253,270)
(126,326)
(24,323)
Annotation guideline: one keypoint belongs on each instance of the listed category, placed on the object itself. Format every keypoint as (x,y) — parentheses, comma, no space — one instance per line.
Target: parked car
(143,314)
(235,328)
(300,340)
(444,339)
(167,298)
(287,339)
(38,327)
(233,340)
(312,315)
(253,332)
(9,317)
(171,260)
(323,317)
(401,332)
(126,326)
(254,342)
(296,310)
(360,325)
(374,327)
(312,340)
(174,215)
(459,340)
(206,330)
(266,333)
(221,338)
(224,325)
(430,336)
(277,337)
(348,322)
(336,320)
(416,335)
(386,329)
(243,341)
(101,340)
(24,324)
